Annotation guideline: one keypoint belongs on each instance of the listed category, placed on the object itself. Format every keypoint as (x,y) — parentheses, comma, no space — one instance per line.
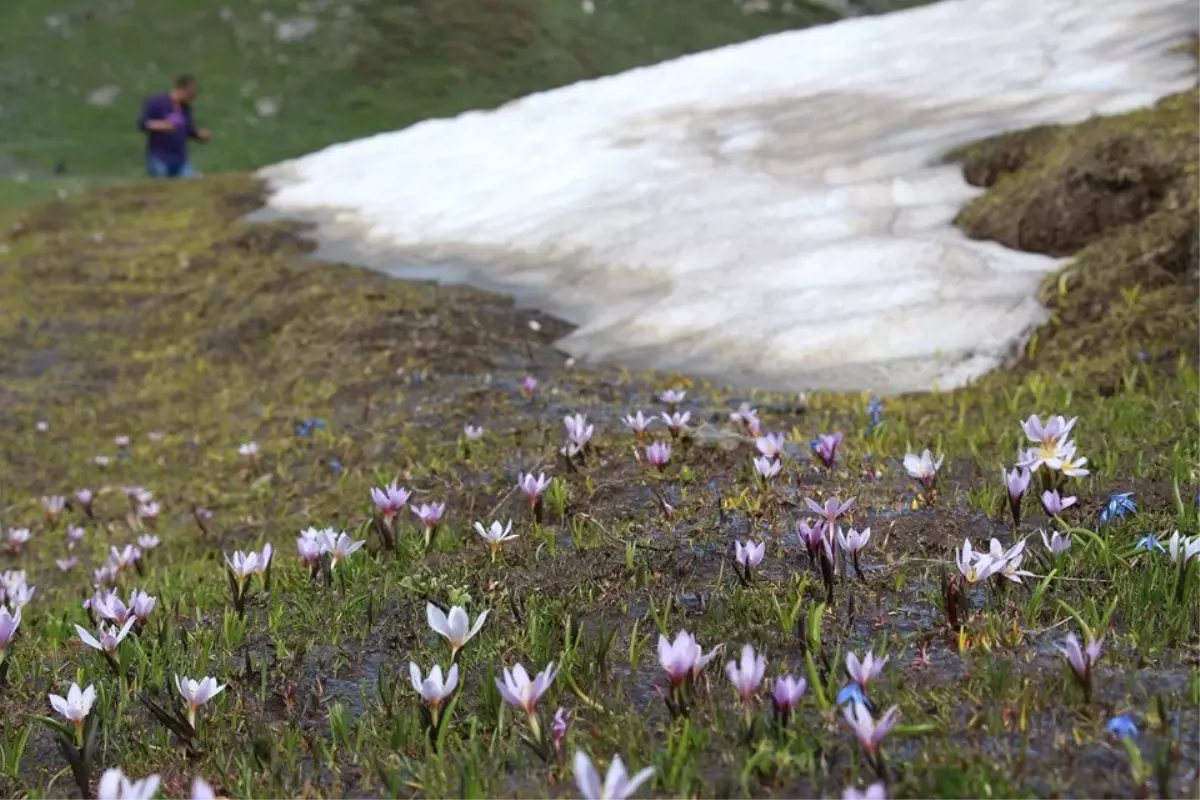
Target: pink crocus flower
(658,454)
(85,497)
(109,637)
(389,500)
(826,448)
(9,622)
(866,670)
(767,468)
(1082,659)
(770,445)
(430,513)
(639,423)
(747,674)
(788,692)
(750,554)
(868,731)
(520,691)
(532,487)
(810,535)
(676,421)
(832,509)
(197,693)
(745,415)
(434,690)
(54,506)
(66,564)
(1055,504)
(617,785)
(529,385)
(1017,483)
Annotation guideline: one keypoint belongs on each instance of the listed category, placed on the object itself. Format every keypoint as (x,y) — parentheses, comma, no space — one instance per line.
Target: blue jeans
(157,168)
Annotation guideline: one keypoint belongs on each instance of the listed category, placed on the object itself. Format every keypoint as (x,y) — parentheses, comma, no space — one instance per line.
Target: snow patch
(770,213)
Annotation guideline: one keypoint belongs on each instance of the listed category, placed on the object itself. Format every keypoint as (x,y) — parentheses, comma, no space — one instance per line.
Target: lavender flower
(767,468)
(876,791)
(638,423)
(455,627)
(17,538)
(787,693)
(54,506)
(529,385)
(1054,504)
(121,441)
(672,397)
(197,693)
(1057,544)
(1017,483)
(832,509)
(923,468)
(311,546)
(141,605)
(579,432)
(75,535)
(826,446)
(430,513)
(339,546)
(533,487)
(868,731)
(976,566)
(747,675)
(750,554)
(201,790)
(770,445)
(248,450)
(66,564)
(658,454)
(9,625)
(109,637)
(85,497)
(520,691)
(473,432)
(677,421)
(863,672)
(75,706)
(115,786)
(433,690)
(147,542)
(617,783)
(558,729)
(683,658)
(1082,660)
(811,537)
(745,416)
(495,535)
(389,500)
(851,540)
(1183,549)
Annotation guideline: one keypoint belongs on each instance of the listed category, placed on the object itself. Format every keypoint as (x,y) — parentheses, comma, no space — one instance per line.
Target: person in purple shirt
(167,122)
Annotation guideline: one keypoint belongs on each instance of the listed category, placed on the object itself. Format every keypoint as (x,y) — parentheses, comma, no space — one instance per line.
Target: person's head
(185,89)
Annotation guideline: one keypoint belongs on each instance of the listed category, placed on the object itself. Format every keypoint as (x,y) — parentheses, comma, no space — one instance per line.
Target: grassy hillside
(334,70)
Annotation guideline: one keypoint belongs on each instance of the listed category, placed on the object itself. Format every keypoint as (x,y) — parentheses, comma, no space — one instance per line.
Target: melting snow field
(771,213)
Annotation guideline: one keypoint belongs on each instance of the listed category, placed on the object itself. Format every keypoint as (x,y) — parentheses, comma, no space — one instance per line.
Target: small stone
(295,29)
(266,107)
(104,96)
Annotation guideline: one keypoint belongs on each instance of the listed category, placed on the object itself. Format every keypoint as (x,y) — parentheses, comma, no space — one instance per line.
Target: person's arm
(153,118)
(199,134)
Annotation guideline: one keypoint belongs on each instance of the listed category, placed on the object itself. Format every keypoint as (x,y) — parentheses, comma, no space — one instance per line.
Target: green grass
(374,66)
(150,308)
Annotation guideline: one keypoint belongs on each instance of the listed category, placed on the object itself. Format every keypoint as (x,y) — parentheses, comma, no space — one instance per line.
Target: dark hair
(184,81)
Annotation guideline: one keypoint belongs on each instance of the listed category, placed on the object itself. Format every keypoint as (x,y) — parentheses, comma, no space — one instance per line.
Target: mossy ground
(152,308)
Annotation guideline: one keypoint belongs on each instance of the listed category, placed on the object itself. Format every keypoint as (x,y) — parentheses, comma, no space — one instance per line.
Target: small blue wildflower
(874,412)
(1123,727)
(1149,544)
(851,692)
(1143,356)
(336,466)
(303,429)
(1119,504)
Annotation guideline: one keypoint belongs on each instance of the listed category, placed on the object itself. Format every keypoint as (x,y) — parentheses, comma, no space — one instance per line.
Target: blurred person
(167,122)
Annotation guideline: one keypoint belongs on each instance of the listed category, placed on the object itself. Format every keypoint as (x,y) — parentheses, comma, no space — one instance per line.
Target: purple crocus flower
(389,500)
(770,445)
(864,671)
(1082,660)
(747,674)
(1017,483)
(638,423)
(876,791)
(522,692)
(430,513)
(826,447)
(787,692)
(869,731)
(529,385)
(810,535)
(1055,504)
(676,421)
(832,509)
(8,629)
(532,487)
(750,554)
(658,454)
(767,468)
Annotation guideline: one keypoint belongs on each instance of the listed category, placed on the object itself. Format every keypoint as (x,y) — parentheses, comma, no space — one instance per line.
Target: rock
(267,107)
(295,29)
(104,96)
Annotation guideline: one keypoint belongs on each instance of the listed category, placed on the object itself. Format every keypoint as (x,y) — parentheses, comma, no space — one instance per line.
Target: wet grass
(151,308)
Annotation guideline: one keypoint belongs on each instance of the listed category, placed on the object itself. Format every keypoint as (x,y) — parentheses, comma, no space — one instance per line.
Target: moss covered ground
(153,312)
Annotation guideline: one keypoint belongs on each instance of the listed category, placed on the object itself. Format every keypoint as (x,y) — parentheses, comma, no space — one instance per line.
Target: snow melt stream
(771,213)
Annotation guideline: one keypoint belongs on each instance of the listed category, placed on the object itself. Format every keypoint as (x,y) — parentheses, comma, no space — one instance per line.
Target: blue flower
(1150,544)
(875,410)
(306,427)
(336,466)
(1119,504)
(1123,727)
(851,692)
